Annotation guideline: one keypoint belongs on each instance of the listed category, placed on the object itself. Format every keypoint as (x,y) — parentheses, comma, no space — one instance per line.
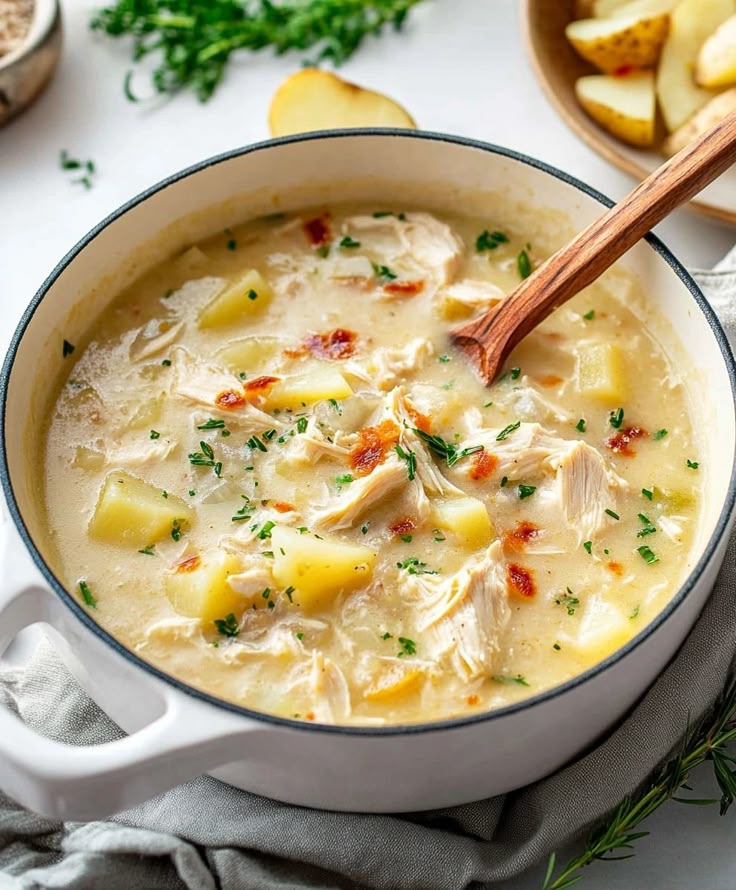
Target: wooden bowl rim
(589,135)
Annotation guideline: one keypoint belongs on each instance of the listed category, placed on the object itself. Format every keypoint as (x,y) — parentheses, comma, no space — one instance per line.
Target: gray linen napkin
(206,834)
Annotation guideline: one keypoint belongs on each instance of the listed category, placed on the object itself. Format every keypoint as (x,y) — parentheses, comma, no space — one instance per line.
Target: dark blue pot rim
(455,723)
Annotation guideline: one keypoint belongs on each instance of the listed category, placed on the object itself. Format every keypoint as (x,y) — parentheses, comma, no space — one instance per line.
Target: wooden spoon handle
(490,338)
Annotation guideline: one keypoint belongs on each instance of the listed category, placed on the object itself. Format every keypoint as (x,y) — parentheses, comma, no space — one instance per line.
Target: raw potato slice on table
(623,105)
(616,43)
(692,22)
(708,116)
(716,66)
(313,99)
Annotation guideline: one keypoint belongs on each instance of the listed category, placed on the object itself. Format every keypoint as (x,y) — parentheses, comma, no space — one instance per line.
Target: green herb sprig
(193,40)
(709,741)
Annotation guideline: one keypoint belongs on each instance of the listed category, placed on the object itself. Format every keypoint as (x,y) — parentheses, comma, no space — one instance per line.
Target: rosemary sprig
(195,38)
(707,742)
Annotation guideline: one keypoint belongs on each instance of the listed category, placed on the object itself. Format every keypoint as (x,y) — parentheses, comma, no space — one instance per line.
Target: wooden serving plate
(558,66)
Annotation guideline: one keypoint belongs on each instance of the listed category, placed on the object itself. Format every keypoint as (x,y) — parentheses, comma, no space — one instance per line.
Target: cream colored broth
(466,604)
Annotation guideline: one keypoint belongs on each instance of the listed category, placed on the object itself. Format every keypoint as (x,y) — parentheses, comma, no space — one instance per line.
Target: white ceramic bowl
(177,732)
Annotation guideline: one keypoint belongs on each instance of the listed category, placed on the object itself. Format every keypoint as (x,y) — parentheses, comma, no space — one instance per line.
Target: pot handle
(64,781)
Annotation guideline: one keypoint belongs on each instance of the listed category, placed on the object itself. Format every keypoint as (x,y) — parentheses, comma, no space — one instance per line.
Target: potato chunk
(322,383)
(198,588)
(319,568)
(133,512)
(603,630)
(615,43)
(252,354)
(625,105)
(247,295)
(602,373)
(716,65)
(396,681)
(467,518)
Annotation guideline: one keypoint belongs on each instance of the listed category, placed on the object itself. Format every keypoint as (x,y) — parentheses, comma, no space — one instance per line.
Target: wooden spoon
(488,340)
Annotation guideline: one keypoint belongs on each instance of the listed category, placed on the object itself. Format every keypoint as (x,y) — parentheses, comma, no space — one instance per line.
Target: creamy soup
(269,473)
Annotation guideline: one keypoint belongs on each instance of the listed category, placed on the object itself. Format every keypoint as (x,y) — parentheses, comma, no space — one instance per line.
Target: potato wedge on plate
(692,22)
(313,99)
(706,117)
(617,43)
(716,65)
(624,105)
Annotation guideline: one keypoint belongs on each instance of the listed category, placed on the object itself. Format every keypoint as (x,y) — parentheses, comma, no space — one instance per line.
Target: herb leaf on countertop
(193,40)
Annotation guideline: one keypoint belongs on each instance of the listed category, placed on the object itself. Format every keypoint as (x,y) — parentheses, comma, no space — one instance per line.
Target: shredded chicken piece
(463,616)
(522,452)
(586,488)
(388,365)
(419,244)
(311,445)
(472,295)
(153,337)
(362,494)
(139,453)
(330,689)
(171,630)
(526,402)
(253,580)
(202,384)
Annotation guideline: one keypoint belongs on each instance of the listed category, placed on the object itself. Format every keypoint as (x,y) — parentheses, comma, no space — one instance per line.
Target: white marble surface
(459,68)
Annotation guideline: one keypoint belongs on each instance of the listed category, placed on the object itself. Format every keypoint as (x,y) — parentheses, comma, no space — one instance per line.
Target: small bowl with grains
(30,44)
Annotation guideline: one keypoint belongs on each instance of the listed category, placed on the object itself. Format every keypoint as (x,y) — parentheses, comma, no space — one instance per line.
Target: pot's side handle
(64,781)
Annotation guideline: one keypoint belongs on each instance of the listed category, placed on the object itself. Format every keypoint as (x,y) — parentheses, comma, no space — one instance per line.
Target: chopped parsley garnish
(252,295)
(301,424)
(414,566)
(245,512)
(148,551)
(612,514)
(155,434)
(647,555)
(349,242)
(265,531)
(648,529)
(299,635)
(302,530)
(384,272)
(176,531)
(203,458)
(590,315)
(212,424)
(438,536)
(407,539)
(87,169)
(254,443)
(288,593)
(648,493)
(408,647)
(526,491)
(490,240)
(323,251)
(556,647)
(616,418)
(692,464)
(164,493)
(515,373)
(445,358)
(227,626)
(660,434)
(442,448)
(269,434)
(411,461)
(266,593)
(503,678)
(67,349)
(524,264)
(379,214)
(166,363)
(634,613)
(87,596)
(588,546)
(386,636)
(507,430)
(580,425)
(364,529)
(569,601)
(504,481)
(643,519)
(344,479)
(232,244)
(487,404)
(336,405)
(192,492)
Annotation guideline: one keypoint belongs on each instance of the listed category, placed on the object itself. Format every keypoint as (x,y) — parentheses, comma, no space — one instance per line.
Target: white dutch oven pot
(177,732)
